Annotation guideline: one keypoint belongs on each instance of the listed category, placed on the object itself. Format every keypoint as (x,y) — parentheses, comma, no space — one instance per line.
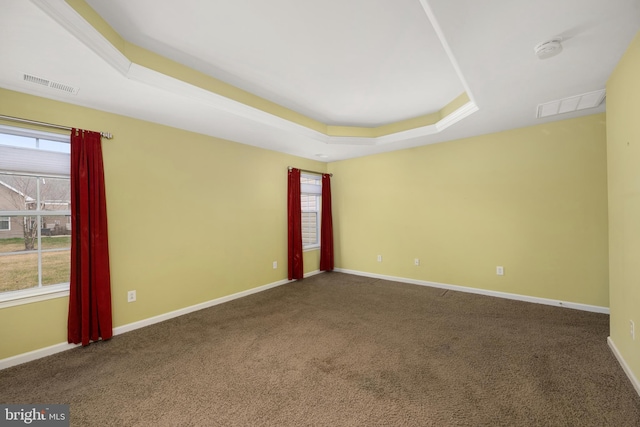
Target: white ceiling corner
(69,19)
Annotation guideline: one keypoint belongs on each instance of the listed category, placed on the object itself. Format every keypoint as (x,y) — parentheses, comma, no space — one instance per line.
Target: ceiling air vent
(573,103)
(53,85)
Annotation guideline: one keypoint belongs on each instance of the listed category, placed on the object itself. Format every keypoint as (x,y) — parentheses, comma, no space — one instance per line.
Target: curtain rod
(106,135)
(308,171)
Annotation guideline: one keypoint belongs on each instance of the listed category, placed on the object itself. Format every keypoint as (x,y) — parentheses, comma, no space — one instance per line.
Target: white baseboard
(35,354)
(537,300)
(181,312)
(625,367)
(57,348)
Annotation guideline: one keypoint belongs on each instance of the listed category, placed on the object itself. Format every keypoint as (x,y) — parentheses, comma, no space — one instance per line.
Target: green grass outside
(48,242)
(20,270)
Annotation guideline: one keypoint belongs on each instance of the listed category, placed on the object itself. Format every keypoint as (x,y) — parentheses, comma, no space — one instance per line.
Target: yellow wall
(623,152)
(191,218)
(533,200)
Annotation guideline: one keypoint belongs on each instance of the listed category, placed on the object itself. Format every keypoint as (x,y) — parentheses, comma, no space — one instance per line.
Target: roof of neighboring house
(27,198)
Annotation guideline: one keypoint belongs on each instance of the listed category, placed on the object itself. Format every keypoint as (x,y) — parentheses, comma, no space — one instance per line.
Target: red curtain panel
(326,226)
(294,219)
(90,283)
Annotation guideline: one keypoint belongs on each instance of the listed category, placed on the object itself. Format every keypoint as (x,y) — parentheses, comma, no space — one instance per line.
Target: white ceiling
(356,62)
(341,62)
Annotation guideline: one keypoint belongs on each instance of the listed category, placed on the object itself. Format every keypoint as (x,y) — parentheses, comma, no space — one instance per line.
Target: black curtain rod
(106,135)
(308,171)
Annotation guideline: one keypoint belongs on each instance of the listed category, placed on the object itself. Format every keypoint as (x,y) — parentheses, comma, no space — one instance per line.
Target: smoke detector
(548,49)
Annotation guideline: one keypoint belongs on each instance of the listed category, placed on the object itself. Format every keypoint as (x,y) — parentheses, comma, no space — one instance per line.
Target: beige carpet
(343,350)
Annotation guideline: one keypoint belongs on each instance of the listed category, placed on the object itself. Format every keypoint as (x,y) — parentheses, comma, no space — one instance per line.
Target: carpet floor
(343,350)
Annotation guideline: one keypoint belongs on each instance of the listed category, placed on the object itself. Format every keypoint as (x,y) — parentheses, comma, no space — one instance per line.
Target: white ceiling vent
(573,103)
(53,85)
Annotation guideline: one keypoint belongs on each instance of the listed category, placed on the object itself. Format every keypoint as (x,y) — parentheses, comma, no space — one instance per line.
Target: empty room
(349,213)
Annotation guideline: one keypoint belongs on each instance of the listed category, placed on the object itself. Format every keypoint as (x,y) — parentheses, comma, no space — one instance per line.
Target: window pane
(62,147)
(309,228)
(311,179)
(17,141)
(22,235)
(17,192)
(55,226)
(309,202)
(55,194)
(34,142)
(18,271)
(56,242)
(55,267)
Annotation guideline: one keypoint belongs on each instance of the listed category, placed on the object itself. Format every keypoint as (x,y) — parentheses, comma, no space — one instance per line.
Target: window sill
(311,248)
(28,296)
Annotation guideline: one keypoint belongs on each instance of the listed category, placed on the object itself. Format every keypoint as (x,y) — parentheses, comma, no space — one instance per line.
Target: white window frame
(312,190)
(40,292)
(6,219)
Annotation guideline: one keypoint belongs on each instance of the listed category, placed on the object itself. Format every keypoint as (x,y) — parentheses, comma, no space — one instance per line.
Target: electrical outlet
(379,258)
(632,330)
(275,264)
(416,261)
(500,270)
(131,296)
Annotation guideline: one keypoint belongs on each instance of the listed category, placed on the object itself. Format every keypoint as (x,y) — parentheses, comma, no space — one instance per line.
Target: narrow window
(311,203)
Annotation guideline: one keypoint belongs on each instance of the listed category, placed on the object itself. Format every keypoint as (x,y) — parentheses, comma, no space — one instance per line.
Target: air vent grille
(573,103)
(49,83)
(37,80)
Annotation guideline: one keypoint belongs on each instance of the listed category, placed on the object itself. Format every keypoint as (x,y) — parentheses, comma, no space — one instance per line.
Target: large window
(35,213)
(310,199)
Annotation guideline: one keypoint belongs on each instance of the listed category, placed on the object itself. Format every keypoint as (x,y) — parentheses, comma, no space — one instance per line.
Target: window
(35,213)
(310,199)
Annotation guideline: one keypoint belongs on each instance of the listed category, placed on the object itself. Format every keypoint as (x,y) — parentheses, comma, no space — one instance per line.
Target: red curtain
(90,283)
(326,226)
(294,219)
